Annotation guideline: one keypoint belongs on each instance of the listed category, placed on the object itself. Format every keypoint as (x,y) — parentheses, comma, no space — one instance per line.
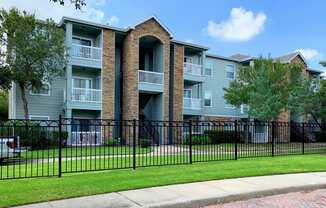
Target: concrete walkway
(196,194)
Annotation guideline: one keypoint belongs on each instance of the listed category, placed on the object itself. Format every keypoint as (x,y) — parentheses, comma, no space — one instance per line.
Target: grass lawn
(84,151)
(15,192)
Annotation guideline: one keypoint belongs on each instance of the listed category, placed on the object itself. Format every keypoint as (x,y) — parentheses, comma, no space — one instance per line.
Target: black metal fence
(31,148)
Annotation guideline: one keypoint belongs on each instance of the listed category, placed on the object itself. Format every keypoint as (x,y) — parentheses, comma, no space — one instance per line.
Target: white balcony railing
(193,69)
(86,95)
(85,138)
(87,52)
(150,77)
(192,103)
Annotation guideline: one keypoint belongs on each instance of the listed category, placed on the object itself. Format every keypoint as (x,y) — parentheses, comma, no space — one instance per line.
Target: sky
(251,27)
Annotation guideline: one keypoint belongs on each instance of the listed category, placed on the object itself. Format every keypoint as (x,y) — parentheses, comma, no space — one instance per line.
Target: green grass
(84,151)
(16,192)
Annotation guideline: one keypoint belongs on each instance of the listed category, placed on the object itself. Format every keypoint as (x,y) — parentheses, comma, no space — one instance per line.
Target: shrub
(145,143)
(220,136)
(33,135)
(198,140)
(112,142)
(320,136)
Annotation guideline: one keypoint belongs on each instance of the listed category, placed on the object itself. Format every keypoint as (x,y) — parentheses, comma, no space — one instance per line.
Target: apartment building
(139,72)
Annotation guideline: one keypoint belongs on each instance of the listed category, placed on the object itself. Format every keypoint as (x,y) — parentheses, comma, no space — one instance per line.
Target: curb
(237,197)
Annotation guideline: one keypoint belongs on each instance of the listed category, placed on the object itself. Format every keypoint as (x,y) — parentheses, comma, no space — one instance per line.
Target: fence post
(303,138)
(273,138)
(236,139)
(190,142)
(60,146)
(134,144)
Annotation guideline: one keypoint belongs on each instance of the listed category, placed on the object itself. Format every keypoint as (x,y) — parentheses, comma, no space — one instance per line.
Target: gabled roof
(240,57)
(289,57)
(85,22)
(317,71)
(193,45)
(222,57)
(157,20)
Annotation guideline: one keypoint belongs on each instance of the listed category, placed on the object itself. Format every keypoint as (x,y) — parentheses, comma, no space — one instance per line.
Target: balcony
(149,81)
(86,55)
(192,103)
(193,72)
(85,99)
(86,95)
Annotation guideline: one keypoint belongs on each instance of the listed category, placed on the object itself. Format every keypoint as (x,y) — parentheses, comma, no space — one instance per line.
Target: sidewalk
(196,194)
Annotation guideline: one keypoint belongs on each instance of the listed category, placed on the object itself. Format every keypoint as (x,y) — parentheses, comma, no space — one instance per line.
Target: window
(230,71)
(187,93)
(85,83)
(44,90)
(207,99)
(188,59)
(208,71)
(81,41)
(39,117)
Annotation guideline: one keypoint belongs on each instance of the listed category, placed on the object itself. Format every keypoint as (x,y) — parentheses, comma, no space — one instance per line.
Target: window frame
(82,38)
(40,116)
(41,94)
(82,78)
(187,89)
(226,71)
(211,99)
(211,68)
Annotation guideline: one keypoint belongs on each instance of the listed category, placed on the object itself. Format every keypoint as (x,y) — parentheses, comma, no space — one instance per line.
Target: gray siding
(215,85)
(40,105)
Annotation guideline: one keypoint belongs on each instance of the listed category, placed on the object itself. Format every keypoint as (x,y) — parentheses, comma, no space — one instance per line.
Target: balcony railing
(86,95)
(87,52)
(151,77)
(193,69)
(81,138)
(192,103)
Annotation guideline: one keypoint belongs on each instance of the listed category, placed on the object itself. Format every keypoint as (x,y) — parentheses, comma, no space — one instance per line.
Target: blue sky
(253,27)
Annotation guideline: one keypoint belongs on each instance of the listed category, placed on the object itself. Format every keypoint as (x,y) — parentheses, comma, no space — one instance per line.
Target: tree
(78,3)
(3,104)
(32,52)
(266,87)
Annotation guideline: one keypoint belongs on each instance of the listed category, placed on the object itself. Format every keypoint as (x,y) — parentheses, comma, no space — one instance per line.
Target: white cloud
(95,15)
(242,25)
(114,20)
(309,53)
(45,9)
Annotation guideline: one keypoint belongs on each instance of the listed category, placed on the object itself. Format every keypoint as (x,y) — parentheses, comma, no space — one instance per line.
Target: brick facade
(130,106)
(178,83)
(108,74)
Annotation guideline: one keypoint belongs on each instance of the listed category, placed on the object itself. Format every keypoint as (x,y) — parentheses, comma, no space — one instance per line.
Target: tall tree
(3,104)
(266,87)
(32,52)
(78,3)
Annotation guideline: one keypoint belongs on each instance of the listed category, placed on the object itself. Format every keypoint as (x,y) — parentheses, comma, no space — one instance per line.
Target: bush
(112,142)
(219,136)
(320,136)
(198,140)
(34,135)
(145,143)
